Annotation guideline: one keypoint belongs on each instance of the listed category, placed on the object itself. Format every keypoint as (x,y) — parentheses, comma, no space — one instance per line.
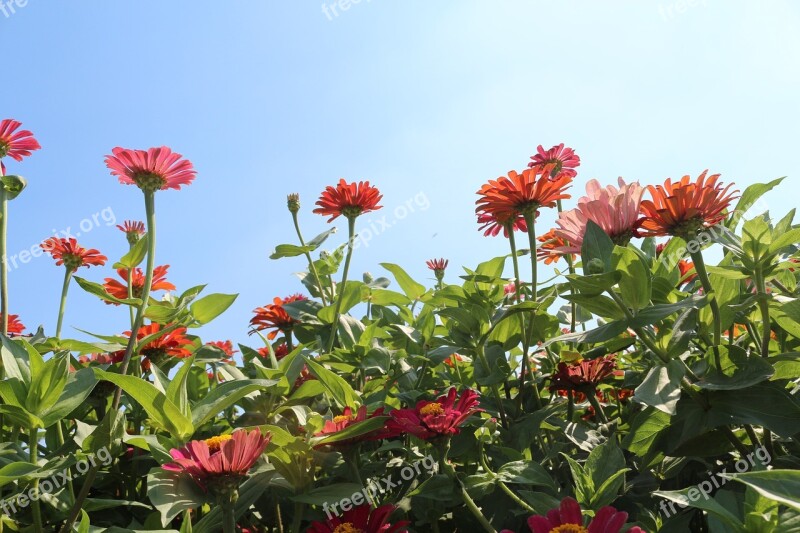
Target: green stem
(312,268)
(763,306)
(131,312)
(519,501)
(495,389)
(518,296)
(4,258)
(702,274)
(530,220)
(62,307)
(60,440)
(33,447)
(465,497)
(229,513)
(571,268)
(598,409)
(297,519)
(351,226)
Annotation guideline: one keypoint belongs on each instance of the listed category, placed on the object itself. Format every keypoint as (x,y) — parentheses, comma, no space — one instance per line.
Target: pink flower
(16,144)
(361,519)
(607,520)
(491,226)
(151,170)
(564,160)
(614,210)
(439,418)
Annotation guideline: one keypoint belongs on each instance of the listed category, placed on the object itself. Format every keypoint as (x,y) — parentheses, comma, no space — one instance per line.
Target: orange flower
(549,250)
(68,252)
(15,327)
(508,197)
(492,225)
(281,351)
(171,344)
(348,199)
(688,273)
(274,316)
(683,208)
(120,290)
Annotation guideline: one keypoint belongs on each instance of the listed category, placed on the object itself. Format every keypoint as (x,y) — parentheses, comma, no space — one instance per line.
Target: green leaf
(657,313)
(596,245)
(172,494)
(411,288)
(177,391)
(210,307)
(636,283)
(594,336)
(98,290)
(355,430)
(697,500)
(739,370)
(749,198)
(135,255)
(47,385)
(782,486)
(594,284)
(662,387)
(13,185)
(766,404)
(525,473)
(329,494)
(289,250)
(338,389)
(645,429)
(14,472)
(16,360)
(350,295)
(21,417)
(224,396)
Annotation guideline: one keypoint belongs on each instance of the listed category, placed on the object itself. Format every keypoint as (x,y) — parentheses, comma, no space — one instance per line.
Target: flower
(227,349)
(683,208)
(688,273)
(583,375)
(453,360)
(549,249)
(569,519)
(68,252)
(562,160)
(133,230)
(348,199)
(492,225)
(347,419)
(293,202)
(151,170)
(438,418)
(120,290)
(281,351)
(16,144)
(361,519)
(437,264)
(102,358)
(616,211)
(15,327)
(171,344)
(508,197)
(219,463)
(274,316)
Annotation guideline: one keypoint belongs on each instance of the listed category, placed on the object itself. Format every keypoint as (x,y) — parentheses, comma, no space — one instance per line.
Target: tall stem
(312,268)
(351,227)
(530,220)
(523,330)
(448,469)
(33,447)
(4,258)
(763,305)
(131,312)
(228,506)
(62,307)
(702,274)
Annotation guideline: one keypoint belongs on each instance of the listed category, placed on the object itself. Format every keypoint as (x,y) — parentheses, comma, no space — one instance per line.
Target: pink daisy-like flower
(429,420)
(569,519)
(151,170)
(491,226)
(16,144)
(563,159)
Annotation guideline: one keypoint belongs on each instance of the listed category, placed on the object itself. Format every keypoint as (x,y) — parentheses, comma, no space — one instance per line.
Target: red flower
(221,461)
(361,519)
(584,375)
(151,170)
(133,230)
(569,519)
(16,144)
(435,419)
(437,264)
(683,208)
(281,351)
(347,419)
(15,327)
(102,358)
(274,316)
(68,252)
(171,344)
(551,244)
(687,271)
(508,197)
(453,360)
(120,290)
(492,225)
(562,160)
(225,346)
(348,199)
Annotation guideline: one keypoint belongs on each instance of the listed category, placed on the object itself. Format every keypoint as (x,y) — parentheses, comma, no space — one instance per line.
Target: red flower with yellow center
(508,197)
(685,207)
(120,290)
(584,375)
(348,199)
(439,418)
(568,518)
(561,159)
(16,144)
(275,317)
(15,327)
(151,170)
(361,519)
(170,344)
(67,252)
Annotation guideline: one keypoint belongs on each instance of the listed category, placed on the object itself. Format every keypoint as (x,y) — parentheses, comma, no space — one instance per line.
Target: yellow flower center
(342,418)
(569,528)
(434,408)
(347,527)
(214,443)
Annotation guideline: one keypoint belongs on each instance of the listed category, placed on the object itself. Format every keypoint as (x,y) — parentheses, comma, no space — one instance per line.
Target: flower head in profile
(560,159)
(348,199)
(151,170)
(615,210)
(226,347)
(491,226)
(583,375)
(133,230)
(172,344)
(67,252)
(522,193)
(685,207)
(438,266)
(273,316)
(439,418)
(568,518)
(15,327)
(361,519)
(219,464)
(119,289)
(281,351)
(16,144)
(348,418)
(550,248)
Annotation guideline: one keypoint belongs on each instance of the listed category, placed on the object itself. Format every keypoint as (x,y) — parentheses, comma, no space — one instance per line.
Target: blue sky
(427,100)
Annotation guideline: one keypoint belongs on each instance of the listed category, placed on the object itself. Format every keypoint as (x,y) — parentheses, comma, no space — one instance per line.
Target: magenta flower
(616,211)
(153,169)
(563,159)
(568,519)
(440,418)
(16,144)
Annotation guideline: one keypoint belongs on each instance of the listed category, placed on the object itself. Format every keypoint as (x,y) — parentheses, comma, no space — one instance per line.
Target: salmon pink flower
(120,290)
(491,226)
(15,327)
(439,418)
(361,519)
(685,207)
(67,252)
(219,464)
(521,193)
(347,419)
(151,170)
(583,375)
(615,210)
(561,159)
(569,519)
(348,199)
(16,144)
(274,316)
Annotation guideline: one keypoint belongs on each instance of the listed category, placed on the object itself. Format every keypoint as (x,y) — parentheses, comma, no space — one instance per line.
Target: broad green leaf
(525,473)
(749,197)
(355,430)
(338,389)
(290,250)
(79,386)
(766,404)
(224,396)
(700,501)
(95,288)
(350,295)
(177,391)
(636,283)
(739,370)
(47,385)
(14,472)
(411,288)
(662,387)
(597,245)
(645,429)
(782,486)
(210,307)
(135,255)
(16,360)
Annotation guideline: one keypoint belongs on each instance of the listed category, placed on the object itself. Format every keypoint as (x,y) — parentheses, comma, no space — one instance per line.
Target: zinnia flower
(508,197)
(683,208)
(687,271)
(151,170)
(133,230)
(439,418)
(281,351)
(120,290)
(361,519)
(274,316)
(347,419)
(15,327)
(437,264)
(549,251)
(16,144)
(219,463)
(227,349)
(583,375)
(616,211)
(491,226)
(348,199)
(561,160)
(569,519)
(171,344)
(68,252)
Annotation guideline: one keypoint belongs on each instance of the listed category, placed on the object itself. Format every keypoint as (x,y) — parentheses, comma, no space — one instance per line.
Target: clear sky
(426,99)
